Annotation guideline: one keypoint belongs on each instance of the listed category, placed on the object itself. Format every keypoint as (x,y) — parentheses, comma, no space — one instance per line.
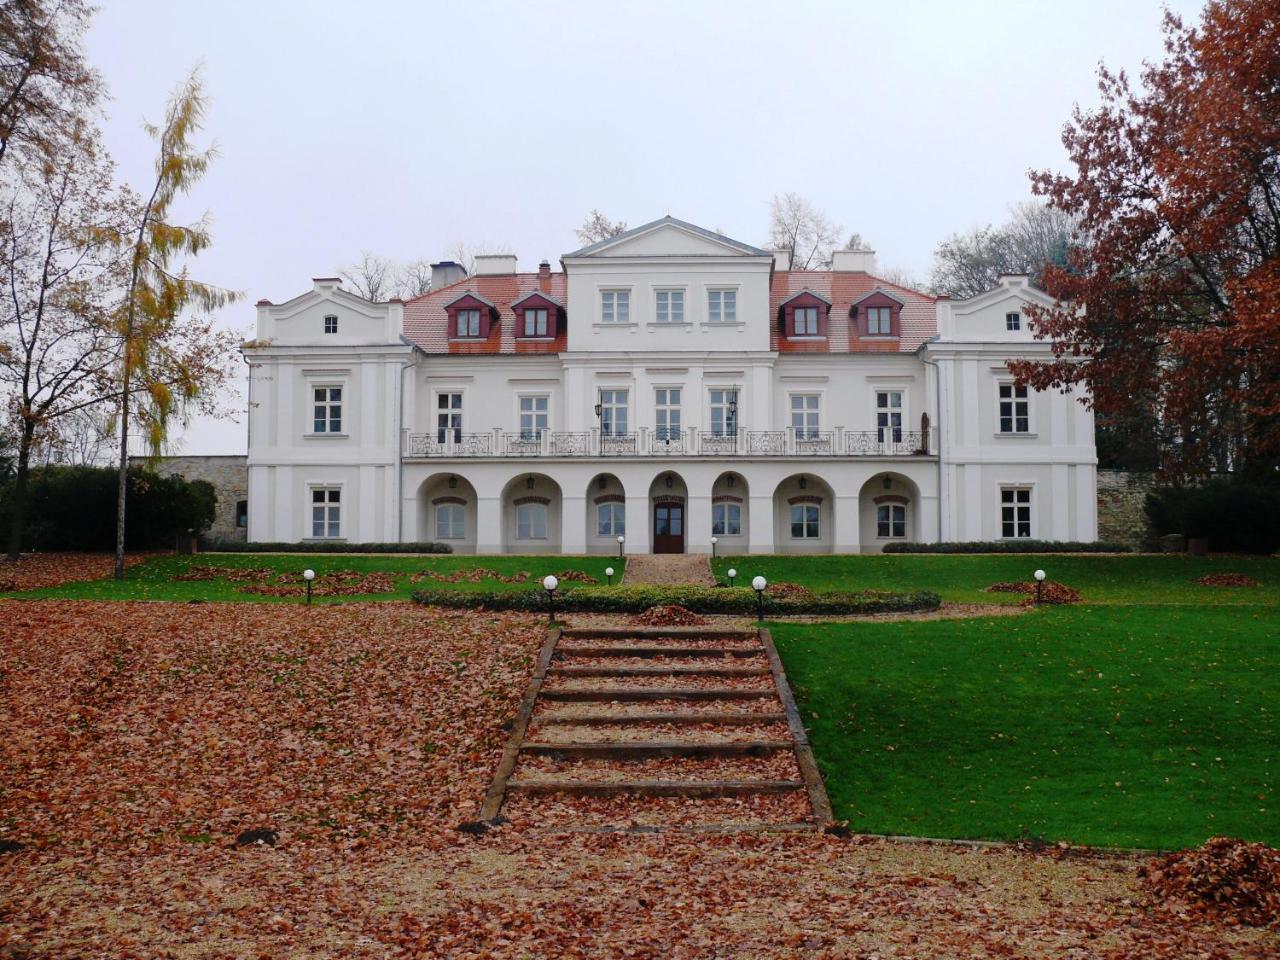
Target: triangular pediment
(336,295)
(1011,290)
(668,237)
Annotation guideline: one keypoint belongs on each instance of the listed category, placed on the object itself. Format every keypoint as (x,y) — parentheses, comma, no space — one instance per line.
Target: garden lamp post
(621,541)
(1039,585)
(549,584)
(714,541)
(308,575)
(608,572)
(758,585)
(732,573)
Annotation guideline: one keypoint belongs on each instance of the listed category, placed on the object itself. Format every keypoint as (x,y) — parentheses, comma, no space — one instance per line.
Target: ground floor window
(451,521)
(242,513)
(531,521)
(726,520)
(804,521)
(611,520)
(891,520)
(1015,512)
(326,511)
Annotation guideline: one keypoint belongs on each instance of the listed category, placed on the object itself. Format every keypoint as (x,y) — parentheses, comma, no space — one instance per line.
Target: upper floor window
(615,306)
(888,416)
(670,306)
(535,323)
(724,412)
(1015,512)
(1013,321)
(613,413)
(806,322)
(326,512)
(468,323)
(804,415)
(327,410)
(667,413)
(330,324)
(722,306)
(533,417)
(1015,408)
(448,417)
(879,321)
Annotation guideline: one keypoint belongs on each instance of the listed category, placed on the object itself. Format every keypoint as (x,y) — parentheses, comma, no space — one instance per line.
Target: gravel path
(669,569)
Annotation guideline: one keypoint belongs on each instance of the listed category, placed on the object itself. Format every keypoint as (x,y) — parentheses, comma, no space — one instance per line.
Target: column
(573,524)
(489,525)
(697,534)
(847,536)
(638,521)
(760,534)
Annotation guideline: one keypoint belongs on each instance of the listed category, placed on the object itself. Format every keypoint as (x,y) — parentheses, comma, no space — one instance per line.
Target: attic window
(330,324)
(1012,321)
(879,322)
(468,323)
(535,322)
(806,321)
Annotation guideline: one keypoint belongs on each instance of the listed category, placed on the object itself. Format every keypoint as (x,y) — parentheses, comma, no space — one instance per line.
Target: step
(683,670)
(654,788)
(640,694)
(728,718)
(641,749)
(657,633)
(646,652)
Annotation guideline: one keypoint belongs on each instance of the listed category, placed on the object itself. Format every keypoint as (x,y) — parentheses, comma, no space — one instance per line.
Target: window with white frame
(330,324)
(326,512)
(888,416)
(533,416)
(804,415)
(1013,321)
(891,520)
(724,412)
(806,321)
(722,306)
(667,413)
(615,306)
(451,521)
(448,417)
(611,520)
(535,322)
(1015,512)
(805,522)
(468,323)
(1015,408)
(531,521)
(879,321)
(669,307)
(726,519)
(327,410)
(613,413)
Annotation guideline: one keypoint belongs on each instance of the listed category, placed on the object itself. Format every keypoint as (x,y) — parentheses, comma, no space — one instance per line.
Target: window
(242,513)
(667,411)
(1012,321)
(535,323)
(451,521)
(891,520)
(804,521)
(724,412)
(804,415)
(448,417)
(670,306)
(879,321)
(533,417)
(468,323)
(326,511)
(615,306)
(531,521)
(806,321)
(1015,409)
(888,416)
(613,413)
(611,520)
(726,520)
(327,412)
(722,306)
(330,324)
(1015,512)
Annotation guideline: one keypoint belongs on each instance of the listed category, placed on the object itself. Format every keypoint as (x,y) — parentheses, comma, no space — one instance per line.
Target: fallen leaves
(1227,580)
(1050,592)
(672,615)
(1223,878)
(34,571)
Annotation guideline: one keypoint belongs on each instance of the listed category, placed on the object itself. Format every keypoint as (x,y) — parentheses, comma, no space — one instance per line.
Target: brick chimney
(544,277)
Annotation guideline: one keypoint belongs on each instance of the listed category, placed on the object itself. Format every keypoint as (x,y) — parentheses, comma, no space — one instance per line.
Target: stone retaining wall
(1121,496)
(229,475)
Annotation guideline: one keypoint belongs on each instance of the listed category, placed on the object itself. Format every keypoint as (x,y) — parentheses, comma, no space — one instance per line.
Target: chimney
(854,261)
(495,264)
(544,277)
(781,259)
(446,272)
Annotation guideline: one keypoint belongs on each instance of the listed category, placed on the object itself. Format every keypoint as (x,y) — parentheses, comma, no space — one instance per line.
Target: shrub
(637,599)
(320,546)
(1010,546)
(1202,512)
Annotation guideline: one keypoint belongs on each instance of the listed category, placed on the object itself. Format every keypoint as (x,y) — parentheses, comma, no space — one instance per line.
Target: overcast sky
(405,127)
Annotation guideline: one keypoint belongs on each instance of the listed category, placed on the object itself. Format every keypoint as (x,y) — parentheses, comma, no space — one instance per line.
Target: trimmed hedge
(320,546)
(1011,546)
(637,599)
(1199,512)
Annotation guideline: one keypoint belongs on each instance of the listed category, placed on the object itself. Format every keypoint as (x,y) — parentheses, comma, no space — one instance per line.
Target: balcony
(790,442)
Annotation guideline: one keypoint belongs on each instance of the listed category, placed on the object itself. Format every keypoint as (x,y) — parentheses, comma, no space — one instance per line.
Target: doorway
(668,526)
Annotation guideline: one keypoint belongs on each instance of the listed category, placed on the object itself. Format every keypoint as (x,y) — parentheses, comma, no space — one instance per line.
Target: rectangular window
(1015,512)
(615,306)
(1012,321)
(451,521)
(533,417)
(806,321)
(670,306)
(326,512)
(531,521)
(891,520)
(879,321)
(726,520)
(535,323)
(242,513)
(724,412)
(804,415)
(667,413)
(611,520)
(889,416)
(448,417)
(331,324)
(722,306)
(804,521)
(613,413)
(1015,409)
(468,323)
(327,412)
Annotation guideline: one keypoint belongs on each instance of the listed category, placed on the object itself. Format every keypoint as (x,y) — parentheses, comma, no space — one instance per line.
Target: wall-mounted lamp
(670,481)
(453,483)
(804,483)
(528,482)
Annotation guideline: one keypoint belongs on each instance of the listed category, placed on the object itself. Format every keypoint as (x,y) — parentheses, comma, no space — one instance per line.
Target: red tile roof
(426,324)
(919,317)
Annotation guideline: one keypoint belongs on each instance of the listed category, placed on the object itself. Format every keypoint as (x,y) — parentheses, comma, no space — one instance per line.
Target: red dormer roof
(843,290)
(426,320)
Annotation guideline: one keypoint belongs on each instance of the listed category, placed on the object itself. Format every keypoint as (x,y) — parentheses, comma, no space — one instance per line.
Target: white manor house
(667,386)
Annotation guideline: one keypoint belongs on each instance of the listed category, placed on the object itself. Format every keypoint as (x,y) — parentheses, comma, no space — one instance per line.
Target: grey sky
(405,127)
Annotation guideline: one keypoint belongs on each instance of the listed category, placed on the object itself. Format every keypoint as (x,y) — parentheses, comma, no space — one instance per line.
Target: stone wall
(1121,496)
(229,475)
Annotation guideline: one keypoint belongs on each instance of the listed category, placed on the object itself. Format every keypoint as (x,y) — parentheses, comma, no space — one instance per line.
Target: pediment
(1011,294)
(305,302)
(668,237)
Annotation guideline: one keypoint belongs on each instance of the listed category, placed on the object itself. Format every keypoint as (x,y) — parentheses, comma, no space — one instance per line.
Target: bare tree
(598,227)
(465,253)
(372,276)
(1035,235)
(413,279)
(82,438)
(802,230)
(856,242)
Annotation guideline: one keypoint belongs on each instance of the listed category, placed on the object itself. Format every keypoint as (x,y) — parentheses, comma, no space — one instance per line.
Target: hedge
(320,546)
(637,599)
(1200,511)
(1011,546)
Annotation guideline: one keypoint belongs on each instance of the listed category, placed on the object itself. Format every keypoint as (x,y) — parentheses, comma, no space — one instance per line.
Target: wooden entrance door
(668,527)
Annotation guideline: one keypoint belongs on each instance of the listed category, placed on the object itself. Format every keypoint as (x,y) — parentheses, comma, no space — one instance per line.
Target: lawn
(158,578)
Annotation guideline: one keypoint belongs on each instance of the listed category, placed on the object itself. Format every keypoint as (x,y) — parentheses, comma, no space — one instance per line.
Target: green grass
(1137,726)
(155,579)
(961,578)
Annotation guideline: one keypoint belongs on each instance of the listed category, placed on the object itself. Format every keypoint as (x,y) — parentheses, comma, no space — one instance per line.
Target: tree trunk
(20,489)
(123,483)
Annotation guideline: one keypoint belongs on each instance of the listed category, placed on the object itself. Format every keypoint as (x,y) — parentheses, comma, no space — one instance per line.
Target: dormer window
(806,321)
(879,322)
(537,316)
(535,323)
(468,323)
(877,314)
(470,317)
(804,315)
(330,324)
(1013,321)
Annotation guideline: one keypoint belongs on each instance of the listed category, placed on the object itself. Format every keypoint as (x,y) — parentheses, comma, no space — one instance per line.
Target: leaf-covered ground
(141,739)
(37,571)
